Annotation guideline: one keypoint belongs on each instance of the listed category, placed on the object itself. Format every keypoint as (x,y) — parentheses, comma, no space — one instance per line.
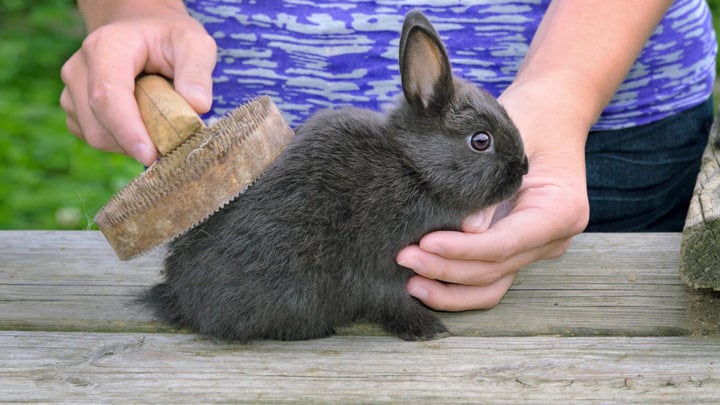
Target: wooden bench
(610,321)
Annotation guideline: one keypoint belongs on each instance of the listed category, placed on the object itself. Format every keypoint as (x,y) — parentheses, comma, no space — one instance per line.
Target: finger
(80,120)
(479,221)
(73,127)
(502,209)
(523,230)
(194,57)
(455,297)
(111,83)
(434,267)
(71,119)
(471,272)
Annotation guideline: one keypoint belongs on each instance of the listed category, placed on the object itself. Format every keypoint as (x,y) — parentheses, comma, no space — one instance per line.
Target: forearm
(100,12)
(583,50)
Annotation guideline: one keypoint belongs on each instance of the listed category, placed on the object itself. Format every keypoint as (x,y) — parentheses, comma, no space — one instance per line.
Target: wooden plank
(700,253)
(57,280)
(606,284)
(172,368)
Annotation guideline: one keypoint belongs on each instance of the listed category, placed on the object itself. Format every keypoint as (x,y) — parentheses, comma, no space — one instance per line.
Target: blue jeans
(642,178)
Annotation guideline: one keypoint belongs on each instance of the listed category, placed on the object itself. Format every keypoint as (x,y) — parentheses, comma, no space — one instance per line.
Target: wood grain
(606,285)
(150,368)
(168,118)
(609,322)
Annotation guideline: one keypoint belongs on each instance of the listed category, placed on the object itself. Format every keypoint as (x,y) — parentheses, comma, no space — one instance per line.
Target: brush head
(188,185)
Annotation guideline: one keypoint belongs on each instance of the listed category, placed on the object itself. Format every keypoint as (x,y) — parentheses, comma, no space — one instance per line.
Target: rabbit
(312,244)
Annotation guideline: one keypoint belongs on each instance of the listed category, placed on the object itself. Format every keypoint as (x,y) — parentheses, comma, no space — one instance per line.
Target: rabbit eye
(480,141)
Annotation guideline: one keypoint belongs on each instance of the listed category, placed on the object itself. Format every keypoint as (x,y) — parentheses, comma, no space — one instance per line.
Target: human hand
(474,268)
(154,37)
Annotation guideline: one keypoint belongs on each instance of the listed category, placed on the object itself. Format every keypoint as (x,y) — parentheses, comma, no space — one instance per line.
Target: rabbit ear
(424,65)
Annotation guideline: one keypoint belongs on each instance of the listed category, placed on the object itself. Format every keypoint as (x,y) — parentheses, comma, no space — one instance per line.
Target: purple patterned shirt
(309,55)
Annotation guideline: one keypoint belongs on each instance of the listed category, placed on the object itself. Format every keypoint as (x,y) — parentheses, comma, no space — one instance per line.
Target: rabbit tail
(162,302)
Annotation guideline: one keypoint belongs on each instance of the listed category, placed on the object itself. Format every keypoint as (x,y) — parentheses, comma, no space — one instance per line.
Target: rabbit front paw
(421,326)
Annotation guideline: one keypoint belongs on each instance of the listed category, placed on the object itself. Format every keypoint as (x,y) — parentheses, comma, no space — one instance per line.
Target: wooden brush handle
(168,118)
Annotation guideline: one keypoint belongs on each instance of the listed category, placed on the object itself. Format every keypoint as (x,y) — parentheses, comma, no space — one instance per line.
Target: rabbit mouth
(510,186)
(524,165)
(509,189)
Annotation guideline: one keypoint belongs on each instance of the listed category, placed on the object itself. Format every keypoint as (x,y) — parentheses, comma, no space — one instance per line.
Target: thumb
(479,221)
(484,219)
(195,58)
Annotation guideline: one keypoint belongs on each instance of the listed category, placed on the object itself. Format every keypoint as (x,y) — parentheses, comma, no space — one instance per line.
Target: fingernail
(143,153)
(411,263)
(477,221)
(200,94)
(419,293)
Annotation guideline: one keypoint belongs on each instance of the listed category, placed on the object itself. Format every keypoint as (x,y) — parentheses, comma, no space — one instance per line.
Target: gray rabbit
(312,244)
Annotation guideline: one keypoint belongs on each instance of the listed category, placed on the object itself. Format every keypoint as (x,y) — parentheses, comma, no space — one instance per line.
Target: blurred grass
(48,178)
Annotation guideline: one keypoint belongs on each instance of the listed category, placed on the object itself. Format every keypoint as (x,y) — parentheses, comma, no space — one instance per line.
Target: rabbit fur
(312,244)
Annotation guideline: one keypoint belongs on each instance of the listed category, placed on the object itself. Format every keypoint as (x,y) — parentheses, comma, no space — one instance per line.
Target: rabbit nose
(524,165)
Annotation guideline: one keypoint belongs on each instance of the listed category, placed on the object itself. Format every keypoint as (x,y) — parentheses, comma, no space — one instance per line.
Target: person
(613,101)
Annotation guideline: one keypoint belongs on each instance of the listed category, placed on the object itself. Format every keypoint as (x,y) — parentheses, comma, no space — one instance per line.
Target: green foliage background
(48,178)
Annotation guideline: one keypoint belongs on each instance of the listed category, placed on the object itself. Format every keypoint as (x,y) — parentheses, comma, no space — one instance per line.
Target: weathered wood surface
(607,284)
(700,252)
(610,321)
(143,368)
